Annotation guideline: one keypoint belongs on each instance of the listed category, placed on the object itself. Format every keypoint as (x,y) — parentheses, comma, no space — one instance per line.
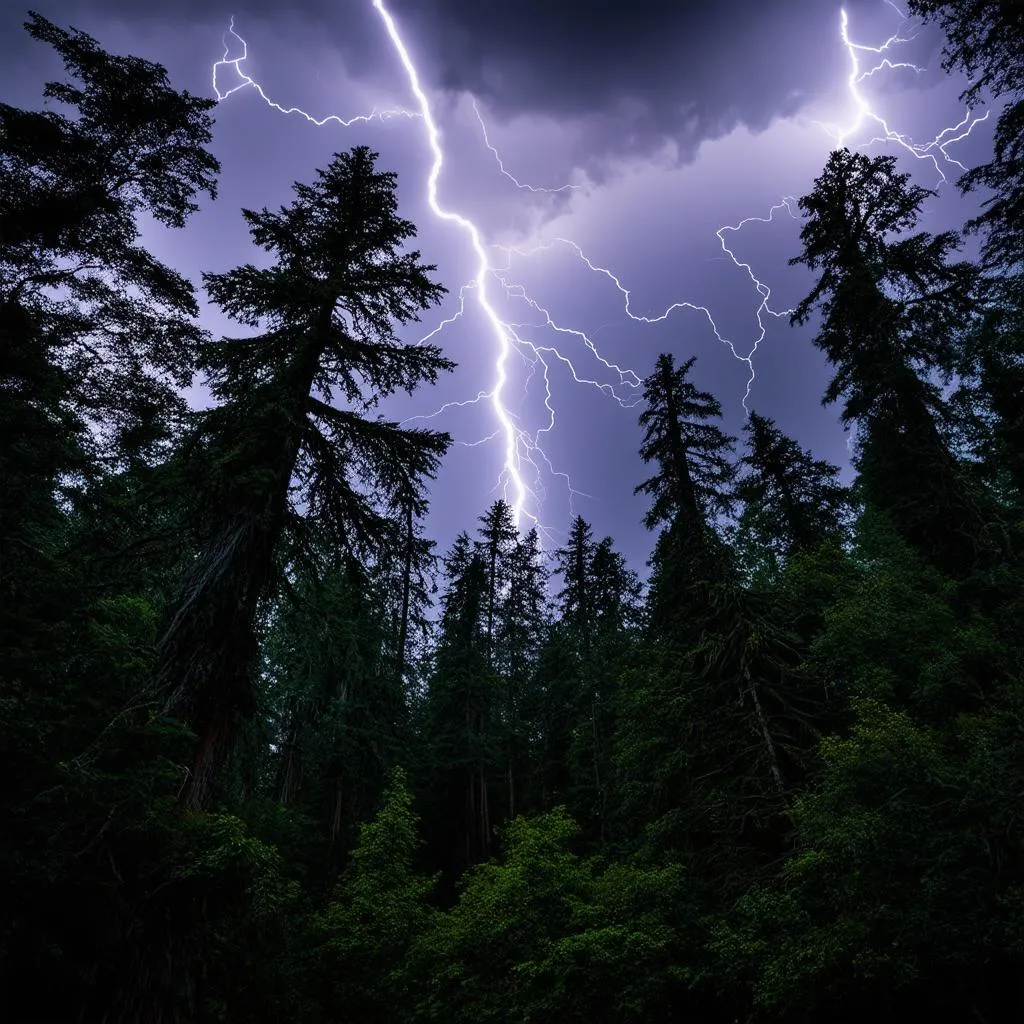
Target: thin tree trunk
(596,758)
(766,735)
(403,625)
(491,583)
(291,764)
(485,815)
(339,806)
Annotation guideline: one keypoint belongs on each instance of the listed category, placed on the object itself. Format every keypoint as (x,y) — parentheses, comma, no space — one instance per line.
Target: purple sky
(670,122)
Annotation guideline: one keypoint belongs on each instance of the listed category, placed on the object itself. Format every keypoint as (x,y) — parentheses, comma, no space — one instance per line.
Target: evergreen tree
(277,452)
(96,335)
(520,630)
(573,563)
(498,534)
(597,607)
(95,328)
(411,574)
(459,719)
(988,418)
(688,491)
(985,40)
(891,309)
(616,594)
(338,711)
(691,454)
(791,502)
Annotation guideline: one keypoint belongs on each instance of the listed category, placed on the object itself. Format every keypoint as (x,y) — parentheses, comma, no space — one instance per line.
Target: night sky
(670,120)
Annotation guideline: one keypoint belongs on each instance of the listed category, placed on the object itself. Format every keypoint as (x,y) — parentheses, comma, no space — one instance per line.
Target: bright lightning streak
(501,165)
(930,151)
(246,82)
(762,310)
(762,289)
(448,321)
(512,459)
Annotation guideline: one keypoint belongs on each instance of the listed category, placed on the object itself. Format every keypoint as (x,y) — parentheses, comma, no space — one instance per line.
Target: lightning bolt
(493,284)
(933,150)
(245,82)
(501,164)
(513,436)
(763,309)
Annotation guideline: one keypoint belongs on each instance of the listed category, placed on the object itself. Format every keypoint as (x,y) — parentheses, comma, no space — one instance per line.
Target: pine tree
(96,335)
(791,502)
(689,490)
(82,305)
(573,564)
(691,455)
(278,452)
(891,310)
(498,534)
(985,40)
(616,594)
(986,405)
(459,718)
(96,338)
(521,622)
(596,606)
(334,709)
(414,567)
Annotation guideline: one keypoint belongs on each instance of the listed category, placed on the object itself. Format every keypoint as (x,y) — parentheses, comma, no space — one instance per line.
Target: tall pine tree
(689,489)
(291,442)
(891,306)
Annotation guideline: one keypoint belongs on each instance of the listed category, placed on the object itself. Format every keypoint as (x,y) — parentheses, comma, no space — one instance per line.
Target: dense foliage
(253,773)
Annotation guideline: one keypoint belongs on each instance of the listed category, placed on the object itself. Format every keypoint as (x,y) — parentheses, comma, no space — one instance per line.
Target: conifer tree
(891,306)
(691,455)
(521,622)
(573,564)
(414,567)
(498,534)
(336,711)
(291,442)
(985,40)
(460,715)
(95,327)
(596,607)
(791,501)
(96,334)
(690,488)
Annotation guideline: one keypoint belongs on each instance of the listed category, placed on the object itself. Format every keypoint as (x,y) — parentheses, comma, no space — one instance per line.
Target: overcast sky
(670,120)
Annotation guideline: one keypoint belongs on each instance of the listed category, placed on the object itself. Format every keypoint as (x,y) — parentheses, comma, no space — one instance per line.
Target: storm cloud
(641,71)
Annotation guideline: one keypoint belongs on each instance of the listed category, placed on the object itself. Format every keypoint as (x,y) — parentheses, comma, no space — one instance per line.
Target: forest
(269,756)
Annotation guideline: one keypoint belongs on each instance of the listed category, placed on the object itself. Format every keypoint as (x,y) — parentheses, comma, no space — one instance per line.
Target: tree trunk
(207,652)
(766,735)
(291,764)
(403,625)
(596,758)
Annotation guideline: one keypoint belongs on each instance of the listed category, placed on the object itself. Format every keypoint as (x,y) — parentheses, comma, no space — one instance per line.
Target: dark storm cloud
(712,62)
(643,69)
